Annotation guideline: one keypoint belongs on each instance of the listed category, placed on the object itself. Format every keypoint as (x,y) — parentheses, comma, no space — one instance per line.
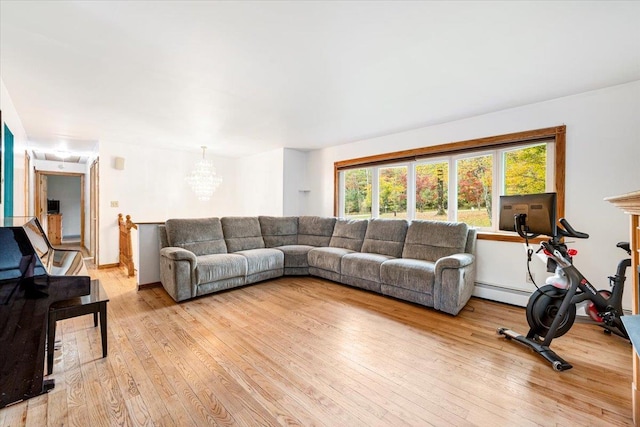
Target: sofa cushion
(327,258)
(279,231)
(242,233)
(315,230)
(412,274)
(213,268)
(349,234)
(432,240)
(259,260)
(202,236)
(363,265)
(295,256)
(385,237)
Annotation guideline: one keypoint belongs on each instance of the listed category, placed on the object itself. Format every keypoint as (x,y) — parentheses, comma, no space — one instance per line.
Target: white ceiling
(246,77)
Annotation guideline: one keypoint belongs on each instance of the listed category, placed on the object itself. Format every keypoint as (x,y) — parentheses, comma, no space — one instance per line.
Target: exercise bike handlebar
(569,231)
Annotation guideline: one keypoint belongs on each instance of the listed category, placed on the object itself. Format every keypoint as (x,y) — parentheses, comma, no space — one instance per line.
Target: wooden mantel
(630,204)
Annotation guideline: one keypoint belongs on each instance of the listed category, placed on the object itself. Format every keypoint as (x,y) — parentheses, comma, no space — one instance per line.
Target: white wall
(152,188)
(260,183)
(294,191)
(67,190)
(270,183)
(603,149)
(12,120)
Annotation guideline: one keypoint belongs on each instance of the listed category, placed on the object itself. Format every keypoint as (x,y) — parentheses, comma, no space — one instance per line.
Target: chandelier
(203,179)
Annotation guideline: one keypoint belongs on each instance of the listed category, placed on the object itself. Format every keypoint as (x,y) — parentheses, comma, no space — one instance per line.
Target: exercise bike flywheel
(542,309)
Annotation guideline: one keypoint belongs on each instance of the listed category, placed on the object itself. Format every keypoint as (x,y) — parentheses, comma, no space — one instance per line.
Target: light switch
(114,203)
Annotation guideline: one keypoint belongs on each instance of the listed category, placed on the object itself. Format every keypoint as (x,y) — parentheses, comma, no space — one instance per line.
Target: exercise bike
(551,310)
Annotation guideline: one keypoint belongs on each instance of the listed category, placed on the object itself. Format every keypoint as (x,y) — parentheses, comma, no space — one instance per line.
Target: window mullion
(341,205)
(452,212)
(411,191)
(497,187)
(375,193)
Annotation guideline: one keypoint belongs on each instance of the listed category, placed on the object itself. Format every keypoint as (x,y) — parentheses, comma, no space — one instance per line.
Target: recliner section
(347,238)
(244,238)
(431,263)
(383,241)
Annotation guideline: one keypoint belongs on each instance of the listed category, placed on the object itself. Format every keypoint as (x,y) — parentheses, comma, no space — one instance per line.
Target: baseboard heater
(501,293)
(502,288)
(515,296)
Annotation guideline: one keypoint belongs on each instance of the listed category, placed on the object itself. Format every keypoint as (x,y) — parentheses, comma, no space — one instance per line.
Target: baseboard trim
(149,285)
(104,266)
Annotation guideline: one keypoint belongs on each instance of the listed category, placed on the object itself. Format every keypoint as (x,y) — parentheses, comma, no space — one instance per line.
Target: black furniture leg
(51,338)
(103,327)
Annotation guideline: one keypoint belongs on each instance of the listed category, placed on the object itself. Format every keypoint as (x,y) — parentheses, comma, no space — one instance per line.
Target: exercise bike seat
(625,246)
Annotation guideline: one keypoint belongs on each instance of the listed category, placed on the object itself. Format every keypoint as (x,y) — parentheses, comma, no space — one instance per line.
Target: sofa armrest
(454,282)
(454,261)
(178,272)
(179,254)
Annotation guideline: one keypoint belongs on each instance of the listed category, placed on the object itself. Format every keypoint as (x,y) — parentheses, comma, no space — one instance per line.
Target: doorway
(93,210)
(60,203)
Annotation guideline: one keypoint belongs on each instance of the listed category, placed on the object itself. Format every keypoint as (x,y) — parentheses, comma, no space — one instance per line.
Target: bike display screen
(539,210)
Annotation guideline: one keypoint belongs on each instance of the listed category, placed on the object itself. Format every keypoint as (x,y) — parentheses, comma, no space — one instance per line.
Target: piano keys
(33,275)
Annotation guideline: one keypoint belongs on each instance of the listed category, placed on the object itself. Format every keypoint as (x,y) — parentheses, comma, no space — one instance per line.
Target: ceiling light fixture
(203,179)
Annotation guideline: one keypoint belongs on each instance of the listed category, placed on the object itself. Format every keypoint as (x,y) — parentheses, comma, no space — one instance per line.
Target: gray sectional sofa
(426,262)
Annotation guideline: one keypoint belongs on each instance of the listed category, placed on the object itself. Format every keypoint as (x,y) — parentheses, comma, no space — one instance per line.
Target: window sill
(504,237)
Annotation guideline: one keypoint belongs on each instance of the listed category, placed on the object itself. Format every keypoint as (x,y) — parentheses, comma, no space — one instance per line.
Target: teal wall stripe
(8,172)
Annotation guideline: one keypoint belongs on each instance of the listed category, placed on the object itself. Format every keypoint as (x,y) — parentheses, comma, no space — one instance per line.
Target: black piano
(32,276)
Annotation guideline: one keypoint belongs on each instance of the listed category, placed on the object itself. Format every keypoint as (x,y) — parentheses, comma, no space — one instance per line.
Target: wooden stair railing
(126,252)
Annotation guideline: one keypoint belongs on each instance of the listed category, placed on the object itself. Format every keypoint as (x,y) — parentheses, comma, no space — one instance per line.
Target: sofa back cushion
(385,237)
(432,240)
(472,237)
(315,230)
(162,236)
(242,233)
(279,231)
(202,236)
(349,234)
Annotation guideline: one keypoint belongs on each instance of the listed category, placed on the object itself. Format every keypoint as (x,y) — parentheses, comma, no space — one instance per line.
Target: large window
(454,182)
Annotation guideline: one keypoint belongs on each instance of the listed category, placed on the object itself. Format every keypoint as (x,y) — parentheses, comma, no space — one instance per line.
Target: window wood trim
(557,133)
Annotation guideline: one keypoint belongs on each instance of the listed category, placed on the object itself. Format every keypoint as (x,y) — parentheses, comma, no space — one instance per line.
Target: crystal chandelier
(203,179)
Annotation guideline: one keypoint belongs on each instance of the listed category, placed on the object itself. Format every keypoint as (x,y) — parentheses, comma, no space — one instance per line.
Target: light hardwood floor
(304,351)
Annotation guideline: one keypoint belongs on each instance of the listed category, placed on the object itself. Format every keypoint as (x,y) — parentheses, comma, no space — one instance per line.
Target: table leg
(103,327)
